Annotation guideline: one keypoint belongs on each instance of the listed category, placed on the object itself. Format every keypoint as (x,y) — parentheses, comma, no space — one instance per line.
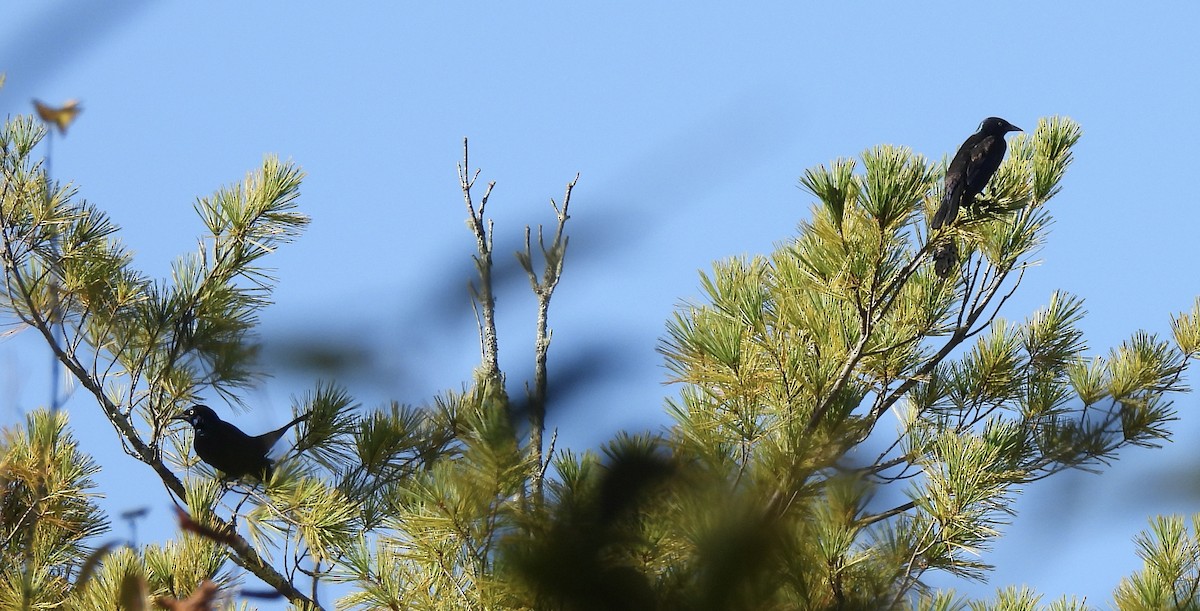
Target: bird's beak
(182,417)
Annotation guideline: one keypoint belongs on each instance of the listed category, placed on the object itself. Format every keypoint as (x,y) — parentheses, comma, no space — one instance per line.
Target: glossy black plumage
(227,448)
(972,167)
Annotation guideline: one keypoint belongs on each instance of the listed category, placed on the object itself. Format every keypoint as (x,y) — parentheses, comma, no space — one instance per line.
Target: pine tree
(1171,578)
(48,515)
(784,482)
(384,498)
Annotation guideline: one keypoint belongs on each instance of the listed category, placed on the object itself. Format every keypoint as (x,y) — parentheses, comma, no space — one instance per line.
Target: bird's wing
(228,449)
(948,210)
(985,158)
(230,433)
(955,181)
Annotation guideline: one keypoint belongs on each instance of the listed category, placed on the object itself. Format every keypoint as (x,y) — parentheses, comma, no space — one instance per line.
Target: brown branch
(897,510)
(960,334)
(843,377)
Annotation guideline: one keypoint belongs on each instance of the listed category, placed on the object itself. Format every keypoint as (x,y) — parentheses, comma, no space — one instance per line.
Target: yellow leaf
(62,116)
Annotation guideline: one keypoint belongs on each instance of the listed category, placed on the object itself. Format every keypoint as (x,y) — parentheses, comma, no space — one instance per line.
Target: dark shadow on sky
(75,28)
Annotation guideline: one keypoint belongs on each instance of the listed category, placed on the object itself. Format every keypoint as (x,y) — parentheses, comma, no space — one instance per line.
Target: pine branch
(876,310)
(22,289)
(245,556)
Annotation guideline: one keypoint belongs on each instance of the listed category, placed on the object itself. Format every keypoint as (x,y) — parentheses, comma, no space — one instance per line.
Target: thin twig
(553,257)
(483,264)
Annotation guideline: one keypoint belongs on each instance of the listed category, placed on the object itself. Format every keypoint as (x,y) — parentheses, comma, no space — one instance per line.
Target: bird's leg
(237,511)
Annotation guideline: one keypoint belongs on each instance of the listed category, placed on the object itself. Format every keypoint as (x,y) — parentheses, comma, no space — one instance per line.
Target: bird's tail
(945,258)
(274,435)
(297,420)
(948,211)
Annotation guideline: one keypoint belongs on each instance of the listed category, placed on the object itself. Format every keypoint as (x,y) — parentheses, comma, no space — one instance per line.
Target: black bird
(972,167)
(227,448)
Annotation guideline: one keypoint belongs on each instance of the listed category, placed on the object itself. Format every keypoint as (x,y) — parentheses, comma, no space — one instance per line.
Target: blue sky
(689,122)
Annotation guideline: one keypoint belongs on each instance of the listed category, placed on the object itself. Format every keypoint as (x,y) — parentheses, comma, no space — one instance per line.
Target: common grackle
(227,448)
(972,167)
